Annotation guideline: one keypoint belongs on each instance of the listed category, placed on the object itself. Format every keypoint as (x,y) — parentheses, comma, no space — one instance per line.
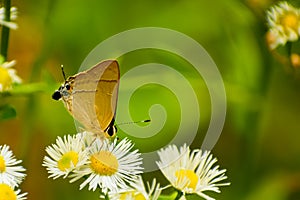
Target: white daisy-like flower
(284,24)
(13,16)
(110,165)
(10,172)
(65,155)
(8,76)
(8,193)
(191,172)
(137,190)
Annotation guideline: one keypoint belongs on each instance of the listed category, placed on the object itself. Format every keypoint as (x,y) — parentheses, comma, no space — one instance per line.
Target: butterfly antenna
(136,122)
(63,72)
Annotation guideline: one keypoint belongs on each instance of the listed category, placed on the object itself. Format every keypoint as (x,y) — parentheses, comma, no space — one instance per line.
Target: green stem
(179,194)
(5,30)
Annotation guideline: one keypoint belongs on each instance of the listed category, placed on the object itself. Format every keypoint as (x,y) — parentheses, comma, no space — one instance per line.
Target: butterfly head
(64,91)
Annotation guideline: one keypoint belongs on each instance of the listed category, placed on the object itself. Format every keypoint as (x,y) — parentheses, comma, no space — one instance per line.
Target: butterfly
(91,97)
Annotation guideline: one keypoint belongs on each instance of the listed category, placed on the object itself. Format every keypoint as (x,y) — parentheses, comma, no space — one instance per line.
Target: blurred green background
(259,145)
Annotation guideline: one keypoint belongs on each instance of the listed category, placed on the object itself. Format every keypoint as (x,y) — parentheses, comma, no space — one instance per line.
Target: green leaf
(7,112)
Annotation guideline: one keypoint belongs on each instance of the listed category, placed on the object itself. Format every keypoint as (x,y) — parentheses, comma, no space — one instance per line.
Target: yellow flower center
(188,174)
(2,164)
(5,78)
(67,159)
(290,20)
(133,195)
(7,193)
(104,163)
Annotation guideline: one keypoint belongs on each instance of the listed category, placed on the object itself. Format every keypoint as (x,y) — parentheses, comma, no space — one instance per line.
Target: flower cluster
(11,175)
(284,24)
(105,164)
(116,169)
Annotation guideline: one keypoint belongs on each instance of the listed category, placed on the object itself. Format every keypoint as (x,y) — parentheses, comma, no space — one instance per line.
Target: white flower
(137,190)
(8,193)
(284,24)
(10,172)
(8,75)
(13,16)
(110,165)
(68,153)
(191,171)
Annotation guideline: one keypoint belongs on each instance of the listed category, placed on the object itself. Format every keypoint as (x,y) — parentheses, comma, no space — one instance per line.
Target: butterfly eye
(56,95)
(68,87)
